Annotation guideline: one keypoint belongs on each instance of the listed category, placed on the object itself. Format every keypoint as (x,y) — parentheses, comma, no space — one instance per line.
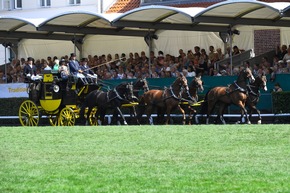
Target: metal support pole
(75,49)
(149,59)
(5,63)
(231,52)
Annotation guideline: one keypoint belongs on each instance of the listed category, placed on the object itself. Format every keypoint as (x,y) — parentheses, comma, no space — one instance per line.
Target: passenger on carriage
(63,69)
(89,74)
(75,69)
(30,70)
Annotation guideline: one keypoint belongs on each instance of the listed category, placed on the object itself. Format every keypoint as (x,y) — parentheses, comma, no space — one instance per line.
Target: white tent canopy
(170,24)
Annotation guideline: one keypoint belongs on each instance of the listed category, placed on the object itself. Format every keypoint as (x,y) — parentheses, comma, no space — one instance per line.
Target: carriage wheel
(28,114)
(93,119)
(53,120)
(67,117)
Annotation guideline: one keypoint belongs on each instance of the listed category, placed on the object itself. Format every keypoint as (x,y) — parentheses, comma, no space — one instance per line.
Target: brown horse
(253,90)
(190,97)
(236,93)
(164,100)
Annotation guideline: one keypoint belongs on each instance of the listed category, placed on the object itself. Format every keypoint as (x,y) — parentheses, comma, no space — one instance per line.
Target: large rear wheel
(28,113)
(67,117)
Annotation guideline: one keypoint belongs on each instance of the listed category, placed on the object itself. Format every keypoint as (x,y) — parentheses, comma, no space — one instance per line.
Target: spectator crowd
(134,65)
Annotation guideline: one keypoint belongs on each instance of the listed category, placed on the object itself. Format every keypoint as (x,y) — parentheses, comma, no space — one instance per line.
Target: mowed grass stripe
(198,158)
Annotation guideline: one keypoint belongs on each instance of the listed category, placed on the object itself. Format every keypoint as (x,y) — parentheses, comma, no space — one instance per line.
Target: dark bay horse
(190,97)
(112,99)
(140,84)
(164,100)
(254,95)
(236,93)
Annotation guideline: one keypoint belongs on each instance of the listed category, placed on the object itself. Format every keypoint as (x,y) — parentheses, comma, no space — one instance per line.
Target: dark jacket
(29,70)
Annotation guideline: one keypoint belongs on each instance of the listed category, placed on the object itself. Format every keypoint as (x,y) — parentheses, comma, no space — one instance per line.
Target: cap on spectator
(73,55)
(288,61)
(84,60)
(280,61)
(168,69)
(29,59)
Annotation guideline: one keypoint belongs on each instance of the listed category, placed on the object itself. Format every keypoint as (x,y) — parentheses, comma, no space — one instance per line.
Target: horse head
(249,74)
(246,74)
(260,82)
(125,91)
(197,83)
(141,84)
(181,81)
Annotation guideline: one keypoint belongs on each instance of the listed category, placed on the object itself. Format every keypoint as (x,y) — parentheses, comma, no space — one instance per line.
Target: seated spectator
(277,88)
(236,50)
(46,66)
(190,72)
(287,56)
(56,65)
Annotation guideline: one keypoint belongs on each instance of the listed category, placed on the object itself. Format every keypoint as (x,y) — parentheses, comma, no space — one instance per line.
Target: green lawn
(203,158)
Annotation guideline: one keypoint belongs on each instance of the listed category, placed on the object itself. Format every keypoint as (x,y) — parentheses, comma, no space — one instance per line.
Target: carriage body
(55,98)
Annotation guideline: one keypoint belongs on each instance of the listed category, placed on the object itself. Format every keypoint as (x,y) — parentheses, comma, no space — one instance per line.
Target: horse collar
(239,88)
(117,94)
(172,94)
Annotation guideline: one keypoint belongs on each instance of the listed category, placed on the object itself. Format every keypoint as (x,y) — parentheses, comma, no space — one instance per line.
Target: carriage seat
(50,76)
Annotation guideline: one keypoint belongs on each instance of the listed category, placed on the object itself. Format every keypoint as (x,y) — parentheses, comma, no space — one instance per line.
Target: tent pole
(75,43)
(231,52)
(5,63)
(149,59)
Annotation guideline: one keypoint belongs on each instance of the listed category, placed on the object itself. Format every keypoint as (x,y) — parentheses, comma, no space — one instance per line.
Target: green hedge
(280,102)
(10,106)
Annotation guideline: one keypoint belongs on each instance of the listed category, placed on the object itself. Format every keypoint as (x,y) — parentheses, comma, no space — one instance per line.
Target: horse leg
(183,114)
(141,110)
(168,111)
(210,108)
(101,112)
(121,114)
(221,113)
(258,111)
(148,112)
(82,114)
(244,112)
(135,115)
(259,116)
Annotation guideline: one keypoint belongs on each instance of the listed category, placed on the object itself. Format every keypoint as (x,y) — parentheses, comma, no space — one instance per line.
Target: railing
(272,118)
(237,59)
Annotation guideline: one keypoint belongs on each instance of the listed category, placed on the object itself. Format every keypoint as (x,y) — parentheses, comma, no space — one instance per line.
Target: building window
(18,4)
(12,4)
(74,2)
(45,3)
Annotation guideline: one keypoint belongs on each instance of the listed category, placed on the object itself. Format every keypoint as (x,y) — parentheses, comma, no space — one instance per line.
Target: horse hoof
(259,122)
(125,123)
(238,122)
(249,123)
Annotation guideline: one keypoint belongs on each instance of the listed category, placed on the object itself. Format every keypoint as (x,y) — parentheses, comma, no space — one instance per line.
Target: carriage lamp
(55,88)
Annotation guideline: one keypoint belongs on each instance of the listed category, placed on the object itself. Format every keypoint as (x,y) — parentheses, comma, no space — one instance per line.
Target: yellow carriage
(59,100)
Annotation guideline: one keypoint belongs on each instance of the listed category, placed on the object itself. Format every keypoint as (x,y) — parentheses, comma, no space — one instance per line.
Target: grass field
(203,158)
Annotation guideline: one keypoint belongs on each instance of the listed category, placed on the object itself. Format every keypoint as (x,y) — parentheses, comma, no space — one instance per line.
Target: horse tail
(204,104)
